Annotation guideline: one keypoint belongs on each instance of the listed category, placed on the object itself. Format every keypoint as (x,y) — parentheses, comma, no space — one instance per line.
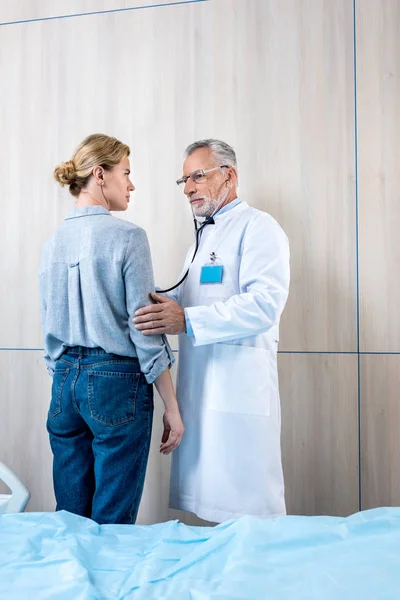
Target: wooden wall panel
(320,433)
(378,94)
(380,431)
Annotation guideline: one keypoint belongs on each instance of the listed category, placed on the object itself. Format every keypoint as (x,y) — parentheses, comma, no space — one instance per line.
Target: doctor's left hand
(165,317)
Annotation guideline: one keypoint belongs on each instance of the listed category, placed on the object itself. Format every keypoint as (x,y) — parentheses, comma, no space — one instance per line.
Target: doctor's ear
(231,176)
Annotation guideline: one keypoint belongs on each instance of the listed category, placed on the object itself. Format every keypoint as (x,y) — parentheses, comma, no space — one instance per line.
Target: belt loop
(80,352)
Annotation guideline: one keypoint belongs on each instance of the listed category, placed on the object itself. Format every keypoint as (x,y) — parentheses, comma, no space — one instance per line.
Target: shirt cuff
(189,328)
(165,361)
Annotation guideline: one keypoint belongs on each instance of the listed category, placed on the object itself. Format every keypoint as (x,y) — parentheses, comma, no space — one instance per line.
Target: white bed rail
(19,497)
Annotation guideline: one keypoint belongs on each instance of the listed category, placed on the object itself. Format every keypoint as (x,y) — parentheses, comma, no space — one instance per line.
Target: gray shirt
(95,272)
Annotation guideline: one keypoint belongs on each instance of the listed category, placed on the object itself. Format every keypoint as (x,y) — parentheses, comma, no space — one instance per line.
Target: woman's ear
(98,174)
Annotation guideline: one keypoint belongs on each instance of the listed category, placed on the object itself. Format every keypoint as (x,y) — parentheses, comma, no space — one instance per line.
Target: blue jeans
(99,422)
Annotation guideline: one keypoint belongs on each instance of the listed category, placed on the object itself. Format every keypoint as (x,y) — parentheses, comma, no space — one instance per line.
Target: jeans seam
(73,384)
(150,414)
(65,373)
(145,458)
(121,375)
(144,461)
(105,363)
(65,361)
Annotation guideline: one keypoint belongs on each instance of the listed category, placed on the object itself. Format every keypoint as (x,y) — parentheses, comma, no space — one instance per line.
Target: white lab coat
(229,461)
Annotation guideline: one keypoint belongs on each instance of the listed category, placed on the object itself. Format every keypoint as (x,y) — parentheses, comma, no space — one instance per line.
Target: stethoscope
(197,230)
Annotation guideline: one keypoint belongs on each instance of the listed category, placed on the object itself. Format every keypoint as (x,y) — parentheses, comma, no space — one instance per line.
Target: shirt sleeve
(154,352)
(264,285)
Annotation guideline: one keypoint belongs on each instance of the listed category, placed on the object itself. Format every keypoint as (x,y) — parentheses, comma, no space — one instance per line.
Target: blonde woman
(95,272)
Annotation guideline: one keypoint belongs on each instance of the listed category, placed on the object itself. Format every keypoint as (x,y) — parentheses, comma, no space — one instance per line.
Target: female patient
(95,273)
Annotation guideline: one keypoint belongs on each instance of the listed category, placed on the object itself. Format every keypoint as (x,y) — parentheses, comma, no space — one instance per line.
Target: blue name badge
(211,274)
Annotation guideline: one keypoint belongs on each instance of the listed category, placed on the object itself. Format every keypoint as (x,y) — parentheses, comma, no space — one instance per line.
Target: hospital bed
(19,497)
(63,556)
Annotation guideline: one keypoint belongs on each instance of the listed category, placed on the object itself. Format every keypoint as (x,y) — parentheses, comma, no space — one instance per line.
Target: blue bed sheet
(65,557)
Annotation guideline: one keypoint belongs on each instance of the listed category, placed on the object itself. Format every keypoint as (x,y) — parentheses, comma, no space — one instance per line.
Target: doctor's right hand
(173,430)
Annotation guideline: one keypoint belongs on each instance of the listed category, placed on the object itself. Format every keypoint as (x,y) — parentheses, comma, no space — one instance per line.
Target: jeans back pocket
(112,396)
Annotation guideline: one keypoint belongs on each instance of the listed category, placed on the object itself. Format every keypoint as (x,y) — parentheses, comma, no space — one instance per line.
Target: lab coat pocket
(240,380)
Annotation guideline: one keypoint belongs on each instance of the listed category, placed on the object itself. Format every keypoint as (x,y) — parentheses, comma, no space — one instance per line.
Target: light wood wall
(378,102)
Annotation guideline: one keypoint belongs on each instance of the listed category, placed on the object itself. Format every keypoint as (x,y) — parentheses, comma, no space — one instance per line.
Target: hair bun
(65,173)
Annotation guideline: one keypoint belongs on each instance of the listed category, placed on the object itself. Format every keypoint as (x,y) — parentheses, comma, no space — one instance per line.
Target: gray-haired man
(227,314)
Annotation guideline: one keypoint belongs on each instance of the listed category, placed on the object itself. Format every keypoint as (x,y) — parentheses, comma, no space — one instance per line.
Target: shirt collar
(86,211)
(228,207)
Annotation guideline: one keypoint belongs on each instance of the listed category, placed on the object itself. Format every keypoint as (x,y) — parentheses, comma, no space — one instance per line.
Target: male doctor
(227,314)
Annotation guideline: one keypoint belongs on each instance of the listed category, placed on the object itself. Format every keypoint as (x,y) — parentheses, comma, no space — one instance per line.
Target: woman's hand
(173,431)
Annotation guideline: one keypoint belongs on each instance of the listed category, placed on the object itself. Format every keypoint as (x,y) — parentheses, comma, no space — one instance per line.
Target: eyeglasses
(198,176)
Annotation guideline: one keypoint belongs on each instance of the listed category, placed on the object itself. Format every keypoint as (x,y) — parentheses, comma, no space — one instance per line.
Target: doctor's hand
(173,431)
(165,317)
